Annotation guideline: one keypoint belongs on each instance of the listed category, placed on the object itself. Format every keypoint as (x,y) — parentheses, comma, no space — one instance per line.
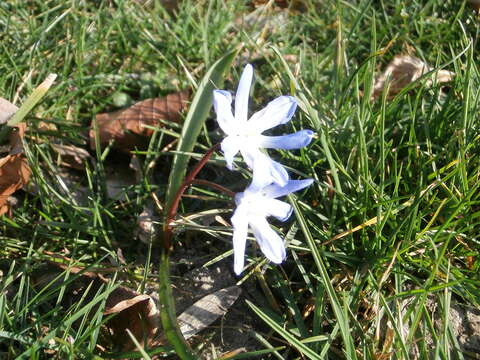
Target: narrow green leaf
(340,314)
(304,349)
(198,113)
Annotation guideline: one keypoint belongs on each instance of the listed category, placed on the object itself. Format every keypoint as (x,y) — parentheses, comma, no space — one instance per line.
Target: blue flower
(254,205)
(245,135)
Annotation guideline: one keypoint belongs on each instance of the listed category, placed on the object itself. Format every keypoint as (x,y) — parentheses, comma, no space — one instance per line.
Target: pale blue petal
(277,112)
(262,170)
(230,148)
(275,191)
(265,170)
(279,173)
(222,102)
(270,243)
(287,142)
(240,231)
(250,153)
(278,209)
(243,92)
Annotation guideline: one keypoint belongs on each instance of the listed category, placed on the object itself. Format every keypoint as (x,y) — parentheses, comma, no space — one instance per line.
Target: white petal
(265,170)
(277,112)
(222,102)
(275,191)
(270,243)
(230,148)
(286,142)
(261,166)
(240,231)
(243,92)
(279,209)
(279,173)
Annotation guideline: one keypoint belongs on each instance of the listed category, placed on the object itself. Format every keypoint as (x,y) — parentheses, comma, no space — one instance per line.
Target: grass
(409,163)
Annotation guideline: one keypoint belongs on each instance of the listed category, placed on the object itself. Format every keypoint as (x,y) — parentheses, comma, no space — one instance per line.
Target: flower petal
(275,191)
(222,102)
(278,209)
(230,148)
(270,242)
(279,173)
(287,142)
(243,92)
(277,112)
(240,231)
(265,170)
(261,166)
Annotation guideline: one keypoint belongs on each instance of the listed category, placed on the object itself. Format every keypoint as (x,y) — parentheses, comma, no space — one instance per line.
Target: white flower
(253,207)
(245,135)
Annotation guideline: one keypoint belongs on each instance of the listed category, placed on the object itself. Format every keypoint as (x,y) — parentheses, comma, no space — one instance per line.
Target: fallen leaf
(7,109)
(147,225)
(199,282)
(137,313)
(127,127)
(402,71)
(133,311)
(475,4)
(14,169)
(71,156)
(208,309)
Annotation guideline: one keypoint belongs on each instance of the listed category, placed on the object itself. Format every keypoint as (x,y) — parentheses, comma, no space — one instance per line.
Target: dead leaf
(14,169)
(208,309)
(7,109)
(475,4)
(133,311)
(147,225)
(127,127)
(402,71)
(72,156)
(137,313)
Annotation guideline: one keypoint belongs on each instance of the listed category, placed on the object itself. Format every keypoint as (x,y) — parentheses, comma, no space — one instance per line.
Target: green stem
(167,312)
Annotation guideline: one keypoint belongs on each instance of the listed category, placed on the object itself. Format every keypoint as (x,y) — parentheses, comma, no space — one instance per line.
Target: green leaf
(196,116)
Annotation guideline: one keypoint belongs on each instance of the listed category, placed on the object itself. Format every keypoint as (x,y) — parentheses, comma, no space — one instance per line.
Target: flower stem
(172,212)
(167,312)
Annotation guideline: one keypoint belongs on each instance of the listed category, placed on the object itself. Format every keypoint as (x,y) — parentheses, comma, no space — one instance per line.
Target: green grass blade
(304,349)
(340,314)
(198,113)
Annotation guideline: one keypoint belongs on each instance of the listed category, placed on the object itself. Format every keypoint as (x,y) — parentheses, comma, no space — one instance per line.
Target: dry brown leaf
(475,4)
(402,71)
(72,156)
(127,127)
(135,312)
(208,309)
(147,225)
(14,169)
